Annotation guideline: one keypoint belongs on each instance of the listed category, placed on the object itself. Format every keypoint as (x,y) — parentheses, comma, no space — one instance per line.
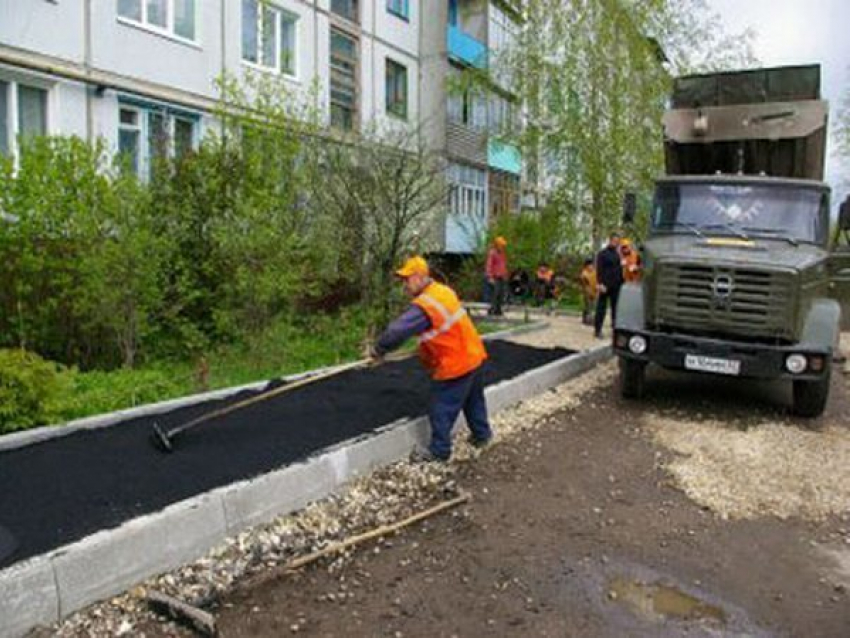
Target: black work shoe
(426,456)
(480,444)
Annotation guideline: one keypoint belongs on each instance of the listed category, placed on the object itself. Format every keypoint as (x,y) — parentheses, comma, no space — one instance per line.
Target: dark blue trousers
(448,398)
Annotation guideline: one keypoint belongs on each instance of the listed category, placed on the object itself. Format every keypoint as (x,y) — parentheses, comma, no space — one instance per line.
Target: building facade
(142,76)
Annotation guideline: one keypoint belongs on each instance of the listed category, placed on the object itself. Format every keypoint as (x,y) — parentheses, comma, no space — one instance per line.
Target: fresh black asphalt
(61,490)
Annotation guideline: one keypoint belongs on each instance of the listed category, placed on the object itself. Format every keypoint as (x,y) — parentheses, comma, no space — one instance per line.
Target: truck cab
(736,261)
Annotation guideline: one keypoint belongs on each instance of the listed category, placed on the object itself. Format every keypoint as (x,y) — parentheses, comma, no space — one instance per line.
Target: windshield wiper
(773,231)
(690,227)
(738,233)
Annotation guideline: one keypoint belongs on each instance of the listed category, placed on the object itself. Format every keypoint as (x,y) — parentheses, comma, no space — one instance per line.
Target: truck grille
(711,300)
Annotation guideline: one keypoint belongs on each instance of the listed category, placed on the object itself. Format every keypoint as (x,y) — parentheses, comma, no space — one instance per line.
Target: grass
(285,348)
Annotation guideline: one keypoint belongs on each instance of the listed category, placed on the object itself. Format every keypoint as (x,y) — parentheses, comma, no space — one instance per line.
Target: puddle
(656,601)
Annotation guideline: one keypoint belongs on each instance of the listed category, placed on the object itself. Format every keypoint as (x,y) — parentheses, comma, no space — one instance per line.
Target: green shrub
(32,391)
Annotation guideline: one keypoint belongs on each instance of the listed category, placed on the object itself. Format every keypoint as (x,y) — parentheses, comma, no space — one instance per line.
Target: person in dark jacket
(609,276)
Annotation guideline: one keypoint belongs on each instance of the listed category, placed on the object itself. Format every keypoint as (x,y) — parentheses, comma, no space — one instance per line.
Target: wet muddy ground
(576,528)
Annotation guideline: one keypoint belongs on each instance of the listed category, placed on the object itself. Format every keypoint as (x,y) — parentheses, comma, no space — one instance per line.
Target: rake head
(160,439)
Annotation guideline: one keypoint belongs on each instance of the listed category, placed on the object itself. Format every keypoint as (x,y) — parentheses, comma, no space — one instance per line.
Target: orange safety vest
(631,266)
(452,347)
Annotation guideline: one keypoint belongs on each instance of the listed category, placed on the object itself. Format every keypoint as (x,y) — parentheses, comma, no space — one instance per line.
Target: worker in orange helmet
(630,260)
(451,350)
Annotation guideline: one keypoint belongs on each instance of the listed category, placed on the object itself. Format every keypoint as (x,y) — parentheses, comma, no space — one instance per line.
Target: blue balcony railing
(466,49)
(504,157)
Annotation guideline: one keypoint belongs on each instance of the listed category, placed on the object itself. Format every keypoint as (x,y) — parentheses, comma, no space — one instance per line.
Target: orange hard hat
(500,241)
(416,265)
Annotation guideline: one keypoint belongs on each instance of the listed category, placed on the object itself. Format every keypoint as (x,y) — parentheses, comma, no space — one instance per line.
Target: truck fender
(822,322)
(630,308)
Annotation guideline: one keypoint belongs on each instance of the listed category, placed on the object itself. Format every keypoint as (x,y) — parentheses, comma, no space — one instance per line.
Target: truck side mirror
(844,215)
(629,208)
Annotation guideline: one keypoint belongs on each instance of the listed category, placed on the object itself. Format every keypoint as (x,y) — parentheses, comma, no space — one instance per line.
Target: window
(269,37)
(503,116)
(502,40)
(469,191)
(504,193)
(343,80)
(177,17)
(469,109)
(399,8)
(146,133)
(345,8)
(23,114)
(396,81)
(129,134)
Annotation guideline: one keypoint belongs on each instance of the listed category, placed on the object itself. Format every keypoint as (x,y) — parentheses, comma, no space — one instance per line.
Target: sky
(801,32)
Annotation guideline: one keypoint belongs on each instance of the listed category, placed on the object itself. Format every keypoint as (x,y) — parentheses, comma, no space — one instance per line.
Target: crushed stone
(771,469)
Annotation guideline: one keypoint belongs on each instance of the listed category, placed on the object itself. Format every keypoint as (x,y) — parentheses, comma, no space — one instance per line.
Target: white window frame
(145,163)
(279,15)
(402,69)
(138,128)
(399,9)
(12,124)
(168,31)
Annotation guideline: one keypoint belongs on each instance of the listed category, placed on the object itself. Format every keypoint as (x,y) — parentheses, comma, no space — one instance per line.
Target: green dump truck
(737,260)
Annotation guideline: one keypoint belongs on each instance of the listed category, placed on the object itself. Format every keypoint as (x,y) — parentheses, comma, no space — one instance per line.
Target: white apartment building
(141,75)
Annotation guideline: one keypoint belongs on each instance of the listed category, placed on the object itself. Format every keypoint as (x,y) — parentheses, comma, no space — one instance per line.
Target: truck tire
(810,397)
(632,376)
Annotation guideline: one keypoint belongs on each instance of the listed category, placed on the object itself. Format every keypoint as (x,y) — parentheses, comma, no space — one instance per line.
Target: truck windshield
(784,212)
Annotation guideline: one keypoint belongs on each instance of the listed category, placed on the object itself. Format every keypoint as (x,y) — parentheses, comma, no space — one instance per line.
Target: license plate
(712,364)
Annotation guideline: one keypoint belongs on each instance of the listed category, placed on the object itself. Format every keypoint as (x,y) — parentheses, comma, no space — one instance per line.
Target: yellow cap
(500,241)
(414,266)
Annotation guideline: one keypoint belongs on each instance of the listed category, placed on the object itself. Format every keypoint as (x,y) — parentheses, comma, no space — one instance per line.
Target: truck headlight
(795,363)
(637,344)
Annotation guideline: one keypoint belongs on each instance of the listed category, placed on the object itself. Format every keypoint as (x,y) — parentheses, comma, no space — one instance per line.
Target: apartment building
(141,75)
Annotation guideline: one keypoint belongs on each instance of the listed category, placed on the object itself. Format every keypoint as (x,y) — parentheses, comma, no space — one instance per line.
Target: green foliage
(841,133)
(594,88)
(32,390)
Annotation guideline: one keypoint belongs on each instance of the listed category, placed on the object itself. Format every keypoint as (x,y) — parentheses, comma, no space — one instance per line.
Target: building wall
(54,29)
(128,60)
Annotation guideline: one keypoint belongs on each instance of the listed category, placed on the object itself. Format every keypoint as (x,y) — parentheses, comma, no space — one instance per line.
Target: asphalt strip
(63,489)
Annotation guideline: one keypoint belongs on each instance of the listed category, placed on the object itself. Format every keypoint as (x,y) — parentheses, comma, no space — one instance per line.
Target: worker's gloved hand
(372,356)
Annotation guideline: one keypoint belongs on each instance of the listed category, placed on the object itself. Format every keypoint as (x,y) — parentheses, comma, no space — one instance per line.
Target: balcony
(465,49)
(504,157)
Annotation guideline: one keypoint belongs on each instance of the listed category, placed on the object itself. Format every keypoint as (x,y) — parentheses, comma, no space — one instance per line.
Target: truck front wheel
(632,375)
(810,396)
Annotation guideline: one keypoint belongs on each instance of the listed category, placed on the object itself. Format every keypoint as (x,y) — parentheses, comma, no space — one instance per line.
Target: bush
(32,391)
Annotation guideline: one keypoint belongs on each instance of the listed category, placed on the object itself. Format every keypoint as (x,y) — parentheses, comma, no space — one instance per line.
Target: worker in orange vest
(544,283)
(451,350)
(630,260)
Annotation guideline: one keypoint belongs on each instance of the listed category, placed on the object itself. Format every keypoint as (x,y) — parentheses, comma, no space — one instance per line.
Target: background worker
(451,350)
(497,274)
(543,287)
(630,261)
(609,277)
(587,284)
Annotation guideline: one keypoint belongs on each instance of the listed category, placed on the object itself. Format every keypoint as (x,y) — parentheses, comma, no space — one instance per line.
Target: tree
(841,133)
(592,78)
(382,191)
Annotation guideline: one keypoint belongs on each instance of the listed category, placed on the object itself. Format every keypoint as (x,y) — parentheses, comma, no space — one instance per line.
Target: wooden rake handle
(276,392)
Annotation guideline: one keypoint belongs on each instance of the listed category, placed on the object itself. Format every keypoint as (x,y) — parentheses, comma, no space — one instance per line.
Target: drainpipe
(87,62)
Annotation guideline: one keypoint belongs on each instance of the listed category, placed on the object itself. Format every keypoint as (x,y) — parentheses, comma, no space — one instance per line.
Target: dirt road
(598,519)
